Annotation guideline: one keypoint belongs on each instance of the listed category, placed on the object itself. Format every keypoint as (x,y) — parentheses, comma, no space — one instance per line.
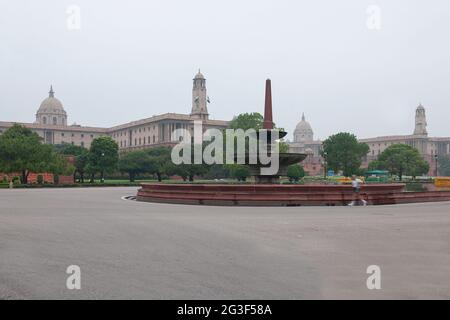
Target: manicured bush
(56,179)
(40,179)
(295,172)
(240,172)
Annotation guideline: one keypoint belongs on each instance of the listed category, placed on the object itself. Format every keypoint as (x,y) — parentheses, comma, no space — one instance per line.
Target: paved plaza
(127,249)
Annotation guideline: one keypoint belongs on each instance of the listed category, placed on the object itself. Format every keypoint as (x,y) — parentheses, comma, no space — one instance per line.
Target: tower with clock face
(199,97)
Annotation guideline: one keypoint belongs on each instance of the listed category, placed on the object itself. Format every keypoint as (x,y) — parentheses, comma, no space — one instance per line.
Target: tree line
(23,151)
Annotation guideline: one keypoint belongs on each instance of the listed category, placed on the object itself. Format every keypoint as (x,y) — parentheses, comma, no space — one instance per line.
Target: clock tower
(199,98)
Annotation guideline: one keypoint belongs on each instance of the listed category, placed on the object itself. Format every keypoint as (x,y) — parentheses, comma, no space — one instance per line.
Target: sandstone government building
(51,125)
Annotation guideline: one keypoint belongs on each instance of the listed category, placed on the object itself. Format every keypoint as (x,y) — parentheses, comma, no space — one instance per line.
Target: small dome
(199,75)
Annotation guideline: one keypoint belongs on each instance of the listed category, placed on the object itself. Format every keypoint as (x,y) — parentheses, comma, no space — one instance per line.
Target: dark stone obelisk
(268,121)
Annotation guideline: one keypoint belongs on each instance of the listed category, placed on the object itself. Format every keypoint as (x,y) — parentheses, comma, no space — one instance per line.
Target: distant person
(356,185)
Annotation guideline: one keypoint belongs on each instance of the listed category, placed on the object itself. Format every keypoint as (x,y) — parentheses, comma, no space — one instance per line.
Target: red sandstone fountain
(271,136)
(267,191)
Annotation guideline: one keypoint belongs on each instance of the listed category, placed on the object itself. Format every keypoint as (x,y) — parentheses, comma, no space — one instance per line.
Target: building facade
(51,124)
(304,143)
(428,147)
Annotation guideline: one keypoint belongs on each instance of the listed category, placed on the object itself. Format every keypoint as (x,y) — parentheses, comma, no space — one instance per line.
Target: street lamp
(325,165)
(436,162)
(103,170)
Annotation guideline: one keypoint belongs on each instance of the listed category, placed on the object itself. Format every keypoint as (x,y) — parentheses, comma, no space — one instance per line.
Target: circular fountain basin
(266,194)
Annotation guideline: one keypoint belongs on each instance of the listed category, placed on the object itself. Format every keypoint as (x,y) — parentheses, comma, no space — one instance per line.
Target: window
(154,139)
(82,135)
(92,135)
(73,135)
(135,141)
(62,134)
(54,121)
(44,120)
(139,141)
(82,143)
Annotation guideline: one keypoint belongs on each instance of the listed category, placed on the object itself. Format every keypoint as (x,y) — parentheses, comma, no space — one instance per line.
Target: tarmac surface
(136,250)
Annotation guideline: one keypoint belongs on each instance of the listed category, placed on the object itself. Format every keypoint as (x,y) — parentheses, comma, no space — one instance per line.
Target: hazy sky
(134,59)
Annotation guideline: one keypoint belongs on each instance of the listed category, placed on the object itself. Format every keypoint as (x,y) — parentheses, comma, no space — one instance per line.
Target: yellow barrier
(347,180)
(442,181)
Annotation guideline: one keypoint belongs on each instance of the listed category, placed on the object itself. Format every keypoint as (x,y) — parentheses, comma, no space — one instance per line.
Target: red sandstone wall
(33,177)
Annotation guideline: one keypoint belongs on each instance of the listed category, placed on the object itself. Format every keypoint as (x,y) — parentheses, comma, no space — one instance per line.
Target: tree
(103,156)
(344,152)
(255,120)
(160,157)
(401,159)
(247,121)
(22,150)
(134,163)
(239,172)
(444,165)
(295,172)
(81,155)
(376,165)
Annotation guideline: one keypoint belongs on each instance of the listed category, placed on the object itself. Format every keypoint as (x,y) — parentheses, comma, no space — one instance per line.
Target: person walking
(356,185)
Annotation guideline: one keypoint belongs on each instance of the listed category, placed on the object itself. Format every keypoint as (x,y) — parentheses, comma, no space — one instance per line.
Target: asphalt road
(128,249)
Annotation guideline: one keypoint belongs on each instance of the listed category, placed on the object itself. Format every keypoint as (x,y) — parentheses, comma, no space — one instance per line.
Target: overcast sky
(134,59)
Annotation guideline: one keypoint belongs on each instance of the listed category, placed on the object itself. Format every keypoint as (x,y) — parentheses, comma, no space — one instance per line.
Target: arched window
(54,121)
(44,120)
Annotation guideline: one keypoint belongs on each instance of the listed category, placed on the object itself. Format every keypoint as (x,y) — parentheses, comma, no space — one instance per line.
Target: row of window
(55,120)
(139,141)
(124,133)
(73,143)
(73,135)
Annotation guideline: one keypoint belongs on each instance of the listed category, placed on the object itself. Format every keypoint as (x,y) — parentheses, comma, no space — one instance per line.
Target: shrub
(240,172)
(295,172)
(56,179)
(40,179)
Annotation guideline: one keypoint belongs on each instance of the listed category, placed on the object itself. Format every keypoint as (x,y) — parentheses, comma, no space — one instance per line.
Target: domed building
(157,130)
(303,131)
(304,143)
(304,139)
(51,111)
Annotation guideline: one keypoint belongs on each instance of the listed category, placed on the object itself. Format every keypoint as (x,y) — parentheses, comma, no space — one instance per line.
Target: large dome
(303,131)
(51,105)
(51,111)
(303,125)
